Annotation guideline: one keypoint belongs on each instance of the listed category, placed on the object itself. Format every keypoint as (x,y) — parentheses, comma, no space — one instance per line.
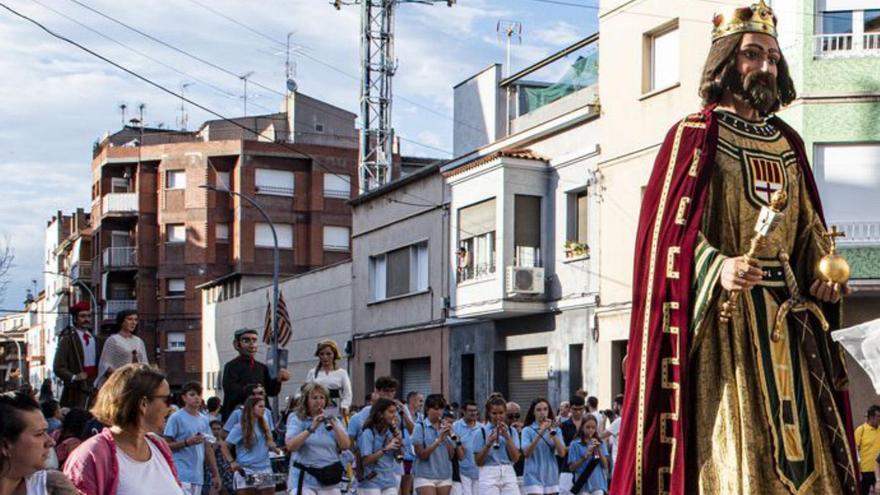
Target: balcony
(120,258)
(847,45)
(113,306)
(81,271)
(862,233)
(119,204)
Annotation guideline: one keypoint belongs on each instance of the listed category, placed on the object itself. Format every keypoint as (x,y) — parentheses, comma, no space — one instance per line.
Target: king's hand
(738,274)
(828,291)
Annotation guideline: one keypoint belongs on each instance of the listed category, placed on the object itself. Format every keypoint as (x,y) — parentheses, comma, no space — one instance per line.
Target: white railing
(119,203)
(113,306)
(120,257)
(859,233)
(81,270)
(847,45)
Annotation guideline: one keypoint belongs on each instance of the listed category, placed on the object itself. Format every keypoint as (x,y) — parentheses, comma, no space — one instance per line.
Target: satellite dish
(291,85)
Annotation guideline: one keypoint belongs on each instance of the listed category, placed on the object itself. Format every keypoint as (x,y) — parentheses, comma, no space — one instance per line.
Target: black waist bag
(326,475)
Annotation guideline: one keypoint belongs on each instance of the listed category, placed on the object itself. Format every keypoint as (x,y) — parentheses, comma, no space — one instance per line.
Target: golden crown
(757,18)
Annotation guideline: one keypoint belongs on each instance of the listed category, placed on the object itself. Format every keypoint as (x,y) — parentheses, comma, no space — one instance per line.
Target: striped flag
(284,326)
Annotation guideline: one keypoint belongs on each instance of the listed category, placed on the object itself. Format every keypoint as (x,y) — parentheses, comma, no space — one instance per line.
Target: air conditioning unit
(525,280)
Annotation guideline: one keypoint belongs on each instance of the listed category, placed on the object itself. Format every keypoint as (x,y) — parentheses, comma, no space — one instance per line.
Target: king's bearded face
(759,90)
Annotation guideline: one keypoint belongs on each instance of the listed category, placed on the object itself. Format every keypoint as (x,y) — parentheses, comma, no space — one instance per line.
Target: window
(848,176)
(872,21)
(274,182)
(223,181)
(176,287)
(476,231)
(263,235)
(119,185)
(663,60)
(399,272)
(222,232)
(175,179)
(577,221)
(337,186)
(175,232)
(176,342)
(527,230)
(319,128)
(837,22)
(335,238)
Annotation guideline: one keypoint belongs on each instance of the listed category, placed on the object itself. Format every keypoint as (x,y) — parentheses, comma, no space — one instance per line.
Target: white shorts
(466,486)
(191,488)
(498,480)
(376,491)
(529,490)
(420,482)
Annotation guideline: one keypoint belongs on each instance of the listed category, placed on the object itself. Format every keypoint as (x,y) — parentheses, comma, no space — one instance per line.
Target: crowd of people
(118,429)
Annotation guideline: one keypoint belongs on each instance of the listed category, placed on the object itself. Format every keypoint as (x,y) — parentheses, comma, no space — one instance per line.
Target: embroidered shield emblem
(765,174)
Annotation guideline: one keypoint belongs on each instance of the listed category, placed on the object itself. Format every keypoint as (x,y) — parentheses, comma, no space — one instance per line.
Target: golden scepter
(768,219)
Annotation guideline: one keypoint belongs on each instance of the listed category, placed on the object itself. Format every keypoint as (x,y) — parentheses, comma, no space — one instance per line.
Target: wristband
(186,442)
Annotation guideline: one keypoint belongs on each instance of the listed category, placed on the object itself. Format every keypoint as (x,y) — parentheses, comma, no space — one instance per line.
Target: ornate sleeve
(707,273)
(811,244)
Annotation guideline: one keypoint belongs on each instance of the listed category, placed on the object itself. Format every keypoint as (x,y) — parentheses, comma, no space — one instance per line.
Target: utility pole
(378,65)
(244,79)
(181,123)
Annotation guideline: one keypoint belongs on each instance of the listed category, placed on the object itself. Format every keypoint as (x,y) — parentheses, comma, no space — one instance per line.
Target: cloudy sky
(57,100)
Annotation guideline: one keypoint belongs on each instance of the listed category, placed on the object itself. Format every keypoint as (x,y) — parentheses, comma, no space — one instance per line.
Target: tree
(7,256)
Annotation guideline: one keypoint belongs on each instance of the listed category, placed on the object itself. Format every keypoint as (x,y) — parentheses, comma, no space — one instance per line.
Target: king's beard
(757,90)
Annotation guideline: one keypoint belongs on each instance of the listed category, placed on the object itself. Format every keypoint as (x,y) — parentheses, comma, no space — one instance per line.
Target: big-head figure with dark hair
(753,400)
(77,357)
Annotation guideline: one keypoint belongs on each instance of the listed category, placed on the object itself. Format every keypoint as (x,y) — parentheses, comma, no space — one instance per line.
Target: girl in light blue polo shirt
(435,445)
(252,439)
(588,448)
(316,443)
(495,450)
(381,447)
(541,443)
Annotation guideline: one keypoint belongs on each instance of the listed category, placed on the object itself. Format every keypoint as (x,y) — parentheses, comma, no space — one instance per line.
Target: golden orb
(834,268)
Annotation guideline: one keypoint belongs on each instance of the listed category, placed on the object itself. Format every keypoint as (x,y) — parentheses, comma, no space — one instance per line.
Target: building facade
(164,224)
(13,349)
(318,303)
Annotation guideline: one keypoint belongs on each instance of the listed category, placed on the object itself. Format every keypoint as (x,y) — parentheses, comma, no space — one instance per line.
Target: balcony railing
(859,233)
(120,257)
(81,270)
(479,271)
(338,194)
(847,45)
(113,306)
(120,204)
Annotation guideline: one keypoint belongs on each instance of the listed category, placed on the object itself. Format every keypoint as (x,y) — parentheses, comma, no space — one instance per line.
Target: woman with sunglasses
(541,444)
(134,402)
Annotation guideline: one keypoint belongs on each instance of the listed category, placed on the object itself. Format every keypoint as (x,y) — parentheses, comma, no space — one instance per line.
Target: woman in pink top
(134,402)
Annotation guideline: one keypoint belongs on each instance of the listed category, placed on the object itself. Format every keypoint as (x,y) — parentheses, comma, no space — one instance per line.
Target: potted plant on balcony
(574,249)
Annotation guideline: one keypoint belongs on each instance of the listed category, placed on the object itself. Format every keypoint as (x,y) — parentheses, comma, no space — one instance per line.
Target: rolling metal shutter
(526,377)
(416,377)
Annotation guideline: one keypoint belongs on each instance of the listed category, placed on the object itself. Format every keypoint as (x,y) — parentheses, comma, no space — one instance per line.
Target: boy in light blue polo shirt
(187,431)
(465,428)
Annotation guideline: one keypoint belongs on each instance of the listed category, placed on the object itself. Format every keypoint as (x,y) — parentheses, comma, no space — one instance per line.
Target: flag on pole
(284,326)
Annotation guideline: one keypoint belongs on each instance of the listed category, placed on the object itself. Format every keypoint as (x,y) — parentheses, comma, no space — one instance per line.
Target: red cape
(653,431)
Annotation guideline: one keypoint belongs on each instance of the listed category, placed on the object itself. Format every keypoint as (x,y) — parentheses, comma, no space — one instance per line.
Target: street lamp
(91,294)
(276,366)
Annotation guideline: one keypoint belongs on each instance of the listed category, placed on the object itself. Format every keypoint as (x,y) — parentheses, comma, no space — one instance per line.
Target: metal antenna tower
(378,65)
(184,118)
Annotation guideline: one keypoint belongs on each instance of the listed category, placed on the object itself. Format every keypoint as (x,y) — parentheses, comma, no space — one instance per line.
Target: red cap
(80,306)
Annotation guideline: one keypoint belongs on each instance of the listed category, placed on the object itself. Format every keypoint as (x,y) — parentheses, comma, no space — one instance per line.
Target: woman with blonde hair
(134,401)
(316,442)
(331,376)
(252,439)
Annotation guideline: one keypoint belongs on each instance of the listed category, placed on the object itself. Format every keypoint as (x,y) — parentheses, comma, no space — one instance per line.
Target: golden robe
(761,421)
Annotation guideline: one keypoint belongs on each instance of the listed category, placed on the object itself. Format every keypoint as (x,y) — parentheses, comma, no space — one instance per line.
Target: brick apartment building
(158,234)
